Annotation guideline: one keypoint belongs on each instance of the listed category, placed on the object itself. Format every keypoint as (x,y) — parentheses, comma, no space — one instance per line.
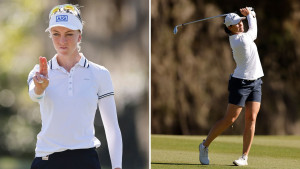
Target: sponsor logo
(62,18)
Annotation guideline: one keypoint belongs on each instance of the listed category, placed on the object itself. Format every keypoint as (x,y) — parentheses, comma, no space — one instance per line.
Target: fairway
(181,152)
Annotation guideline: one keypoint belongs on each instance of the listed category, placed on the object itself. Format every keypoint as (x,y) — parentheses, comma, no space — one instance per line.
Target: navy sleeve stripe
(105,95)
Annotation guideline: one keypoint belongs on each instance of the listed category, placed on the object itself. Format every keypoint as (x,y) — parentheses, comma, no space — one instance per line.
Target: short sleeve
(105,83)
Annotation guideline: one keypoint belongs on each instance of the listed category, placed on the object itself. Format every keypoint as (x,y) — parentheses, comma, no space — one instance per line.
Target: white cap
(233,19)
(65,20)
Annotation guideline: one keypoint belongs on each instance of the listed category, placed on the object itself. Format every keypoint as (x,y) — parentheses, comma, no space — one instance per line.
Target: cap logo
(62,18)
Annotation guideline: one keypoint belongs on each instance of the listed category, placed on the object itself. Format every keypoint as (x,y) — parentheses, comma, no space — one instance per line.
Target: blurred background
(190,70)
(115,35)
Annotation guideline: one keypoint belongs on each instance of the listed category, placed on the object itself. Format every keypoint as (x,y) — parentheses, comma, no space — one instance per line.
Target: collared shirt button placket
(70,91)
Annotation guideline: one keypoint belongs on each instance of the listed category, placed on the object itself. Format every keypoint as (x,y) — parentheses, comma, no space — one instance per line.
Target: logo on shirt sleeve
(62,18)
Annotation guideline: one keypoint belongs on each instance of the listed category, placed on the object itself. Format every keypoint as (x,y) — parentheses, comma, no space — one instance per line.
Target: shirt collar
(82,62)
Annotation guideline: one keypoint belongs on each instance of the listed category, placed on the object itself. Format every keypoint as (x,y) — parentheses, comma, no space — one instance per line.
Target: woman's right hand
(40,79)
(245,11)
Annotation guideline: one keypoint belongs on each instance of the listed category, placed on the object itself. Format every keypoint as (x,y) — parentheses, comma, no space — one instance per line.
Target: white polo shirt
(245,53)
(68,108)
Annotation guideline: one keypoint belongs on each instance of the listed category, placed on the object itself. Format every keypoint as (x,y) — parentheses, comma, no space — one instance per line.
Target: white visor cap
(66,20)
(232,19)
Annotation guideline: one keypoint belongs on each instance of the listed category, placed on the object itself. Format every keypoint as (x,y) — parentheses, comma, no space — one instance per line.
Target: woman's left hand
(245,11)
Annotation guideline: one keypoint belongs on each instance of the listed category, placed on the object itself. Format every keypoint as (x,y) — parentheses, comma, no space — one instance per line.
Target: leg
(251,112)
(233,112)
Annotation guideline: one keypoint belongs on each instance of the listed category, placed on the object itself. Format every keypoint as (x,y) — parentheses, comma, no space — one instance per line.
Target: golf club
(176,27)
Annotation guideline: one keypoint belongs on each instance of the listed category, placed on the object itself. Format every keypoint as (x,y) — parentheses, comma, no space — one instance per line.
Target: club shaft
(201,20)
(176,27)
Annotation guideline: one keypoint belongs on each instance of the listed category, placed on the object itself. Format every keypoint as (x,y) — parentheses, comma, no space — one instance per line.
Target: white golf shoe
(242,161)
(203,154)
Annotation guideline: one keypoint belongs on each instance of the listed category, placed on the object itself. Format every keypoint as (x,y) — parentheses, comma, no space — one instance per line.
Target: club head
(175,30)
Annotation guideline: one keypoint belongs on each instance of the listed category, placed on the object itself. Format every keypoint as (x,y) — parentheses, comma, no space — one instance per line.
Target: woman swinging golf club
(244,84)
(68,89)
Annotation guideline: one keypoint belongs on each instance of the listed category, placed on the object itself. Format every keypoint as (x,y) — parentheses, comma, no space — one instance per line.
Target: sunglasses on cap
(67,8)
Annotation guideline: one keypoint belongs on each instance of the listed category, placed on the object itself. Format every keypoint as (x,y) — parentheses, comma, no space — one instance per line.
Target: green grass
(181,152)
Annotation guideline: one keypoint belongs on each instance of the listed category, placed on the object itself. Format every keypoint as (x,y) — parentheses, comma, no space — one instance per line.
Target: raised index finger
(43,66)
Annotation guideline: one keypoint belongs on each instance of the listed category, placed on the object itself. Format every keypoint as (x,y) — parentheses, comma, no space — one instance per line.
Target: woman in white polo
(69,88)
(244,84)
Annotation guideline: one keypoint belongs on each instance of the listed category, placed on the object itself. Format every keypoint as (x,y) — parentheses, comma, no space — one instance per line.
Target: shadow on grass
(187,164)
(174,164)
